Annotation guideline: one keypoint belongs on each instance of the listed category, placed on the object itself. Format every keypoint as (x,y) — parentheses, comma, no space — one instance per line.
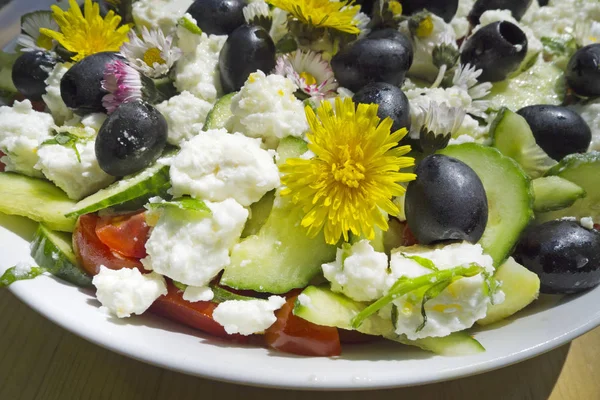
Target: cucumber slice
(509,194)
(555,193)
(130,192)
(221,112)
(513,137)
(35,199)
(332,309)
(541,84)
(520,286)
(54,252)
(7,88)
(584,171)
(290,147)
(259,213)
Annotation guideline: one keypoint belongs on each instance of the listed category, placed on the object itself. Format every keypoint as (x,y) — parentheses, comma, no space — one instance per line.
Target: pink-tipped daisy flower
(309,71)
(123,84)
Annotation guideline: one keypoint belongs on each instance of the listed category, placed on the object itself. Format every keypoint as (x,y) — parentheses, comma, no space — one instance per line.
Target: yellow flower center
(425,27)
(152,56)
(350,173)
(45,42)
(395,7)
(308,78)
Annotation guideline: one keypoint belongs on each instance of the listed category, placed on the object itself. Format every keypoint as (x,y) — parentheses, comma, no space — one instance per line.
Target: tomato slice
(292,334)
(126,234)
(92,253)
(2,166)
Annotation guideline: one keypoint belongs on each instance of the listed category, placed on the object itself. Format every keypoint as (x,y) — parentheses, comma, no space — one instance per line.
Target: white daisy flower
(123,84)
(438,124)
(309,71)
(362,21)
(466,76)
(258,13)
(30,38)
(153,54)
(588,33)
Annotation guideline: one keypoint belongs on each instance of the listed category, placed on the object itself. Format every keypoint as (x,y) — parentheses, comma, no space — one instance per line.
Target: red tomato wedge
(292,334)
(126,234)
(92,253)
(2,166)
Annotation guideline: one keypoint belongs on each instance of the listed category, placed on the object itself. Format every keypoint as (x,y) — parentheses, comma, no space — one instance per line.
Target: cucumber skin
(554,193)
(61,265)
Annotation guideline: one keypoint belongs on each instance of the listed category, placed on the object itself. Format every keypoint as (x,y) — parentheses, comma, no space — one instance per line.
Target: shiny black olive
(30,71)
(445,9)
(391,100)
(81,86)
(557,130)
(248,49)
(446,202)
(498,49)
(543,2)
(131,138)
(218,17)
(565,256)
(516,7)
(583,71)
(395,34)
(372,60)
(365,5)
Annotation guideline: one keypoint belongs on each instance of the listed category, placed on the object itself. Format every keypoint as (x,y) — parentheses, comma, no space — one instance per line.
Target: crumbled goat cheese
(126,291)
(247,317)
(587,222)
(185,115)
(217,165)
(53,99)
(561,17)
(22,130)
(94,121)
(22,269)
(266,108)
(162,14)
(304,300)
(590,112)
(195,293)
(191,248)
(460,22)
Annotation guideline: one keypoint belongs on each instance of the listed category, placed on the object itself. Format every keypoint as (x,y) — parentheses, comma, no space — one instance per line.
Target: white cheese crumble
(197,71)
(192,249)
(94,121)
(198,293)
(78,179)
(185,115)
(359,272)
(304,300)
(460,22)
(266,108)
(22,130)
(587,222)
(217,165)
(186,40)
(161,14)
(22,269)
(53,99)
(247,317)
(458,306)
(590,112)
(126,291)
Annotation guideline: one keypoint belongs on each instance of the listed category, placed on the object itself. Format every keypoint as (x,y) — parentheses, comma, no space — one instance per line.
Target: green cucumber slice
(259,213)
(512,135)
(290,147)
(130,192)
(584,171)
(221,112)
(555,193)
(454,345)
(35,199)
(7,87)
(509,193)
(54,252)
(520,286)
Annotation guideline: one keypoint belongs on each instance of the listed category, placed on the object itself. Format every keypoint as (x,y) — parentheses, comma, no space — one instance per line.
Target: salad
(309,174)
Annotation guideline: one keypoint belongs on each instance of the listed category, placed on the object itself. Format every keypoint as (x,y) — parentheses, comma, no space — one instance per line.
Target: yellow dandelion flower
(87,33)
(354,174)
(338,15)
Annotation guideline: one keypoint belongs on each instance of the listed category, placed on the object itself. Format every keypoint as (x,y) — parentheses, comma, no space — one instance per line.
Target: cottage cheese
(217,165)
(590,112)
(587,222)
(359,272)
(22,130)
(159,13)
(458,306)
(185,115)
(127,291)
(78,179)
(197,71)
(247,317)
(266,108)
(460,22)
(196,293)
(192,249)
(53,99)
(94,121)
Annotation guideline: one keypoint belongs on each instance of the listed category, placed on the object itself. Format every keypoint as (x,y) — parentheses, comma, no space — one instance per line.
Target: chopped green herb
(423,262)
(179,285)
(17,273)
(189,25)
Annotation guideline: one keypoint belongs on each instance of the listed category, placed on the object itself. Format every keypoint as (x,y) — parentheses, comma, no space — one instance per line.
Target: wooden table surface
(39,360)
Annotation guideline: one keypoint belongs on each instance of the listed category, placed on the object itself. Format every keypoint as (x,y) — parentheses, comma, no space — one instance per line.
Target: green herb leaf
(182,203)
(394,315)
(423,262)
(180,286)
(490,286)
(189,25)
(67,139)
(14,274)
(430,294)
(563,45)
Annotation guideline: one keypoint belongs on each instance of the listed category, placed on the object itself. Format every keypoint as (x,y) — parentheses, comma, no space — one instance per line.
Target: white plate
(547,324)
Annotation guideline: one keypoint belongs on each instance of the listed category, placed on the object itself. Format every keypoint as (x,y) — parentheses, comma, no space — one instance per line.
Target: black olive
(516,7)
(543,2)
(391,100)
(497,49)
(565,255)
(81,86)
(372,60)
(446,202)
(394,34)
(131,138)
(445,9)
(30,71)
(248,49)
(583,71)
(557,130)
(365,5)
(218,17)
